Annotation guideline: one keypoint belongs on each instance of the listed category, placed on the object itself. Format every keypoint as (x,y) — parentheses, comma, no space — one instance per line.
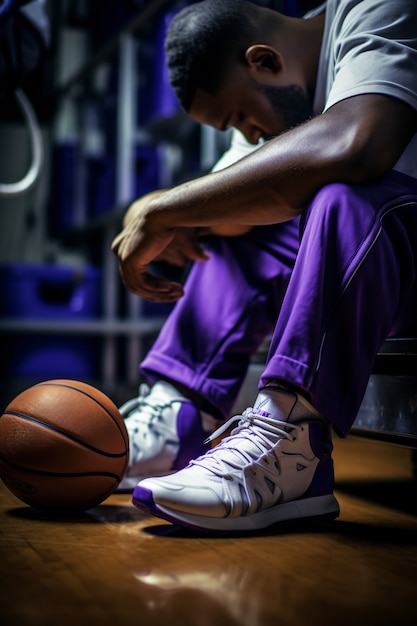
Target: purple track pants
(329,287)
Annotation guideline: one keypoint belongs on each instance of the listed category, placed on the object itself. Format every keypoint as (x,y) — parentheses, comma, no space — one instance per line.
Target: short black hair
(201,42)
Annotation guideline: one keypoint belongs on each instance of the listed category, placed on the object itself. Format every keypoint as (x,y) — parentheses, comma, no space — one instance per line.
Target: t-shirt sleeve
(375,51)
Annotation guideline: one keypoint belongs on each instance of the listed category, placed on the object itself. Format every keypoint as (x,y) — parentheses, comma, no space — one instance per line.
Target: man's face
(257,109)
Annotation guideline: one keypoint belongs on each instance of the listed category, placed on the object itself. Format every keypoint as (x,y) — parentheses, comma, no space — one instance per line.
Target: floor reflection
(227,596)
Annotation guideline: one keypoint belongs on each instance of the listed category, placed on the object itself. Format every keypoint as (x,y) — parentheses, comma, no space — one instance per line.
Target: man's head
(227,70)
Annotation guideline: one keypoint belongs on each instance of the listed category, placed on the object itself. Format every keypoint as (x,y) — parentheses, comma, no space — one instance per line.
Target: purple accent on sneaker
(262,413)
(191,435)
(142,498)
(323,479)
(320,439)
(321,445)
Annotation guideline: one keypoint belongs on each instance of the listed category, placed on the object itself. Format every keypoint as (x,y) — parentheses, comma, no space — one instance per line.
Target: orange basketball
(63,445)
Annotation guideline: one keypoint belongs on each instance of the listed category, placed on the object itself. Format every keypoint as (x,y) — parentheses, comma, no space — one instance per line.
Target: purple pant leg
(231,303)
(353,284)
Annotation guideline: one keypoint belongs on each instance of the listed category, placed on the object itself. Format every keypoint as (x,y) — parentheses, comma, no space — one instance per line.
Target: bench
(389,408)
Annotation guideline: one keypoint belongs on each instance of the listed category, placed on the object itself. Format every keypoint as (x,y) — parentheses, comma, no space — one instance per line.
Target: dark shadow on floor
(397,494)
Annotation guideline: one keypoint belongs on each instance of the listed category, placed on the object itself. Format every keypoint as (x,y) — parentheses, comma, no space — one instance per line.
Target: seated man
(311,238)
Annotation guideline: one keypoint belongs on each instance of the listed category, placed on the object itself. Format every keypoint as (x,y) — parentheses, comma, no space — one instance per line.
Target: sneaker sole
(323,507)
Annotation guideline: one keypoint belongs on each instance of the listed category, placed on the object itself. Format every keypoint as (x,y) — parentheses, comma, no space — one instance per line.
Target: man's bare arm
(138,206)
(355,141)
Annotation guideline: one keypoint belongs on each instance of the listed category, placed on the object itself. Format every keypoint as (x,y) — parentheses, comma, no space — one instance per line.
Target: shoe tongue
(275,404)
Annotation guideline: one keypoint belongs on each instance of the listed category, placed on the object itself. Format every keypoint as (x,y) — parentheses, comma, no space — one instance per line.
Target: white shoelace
(134,403)
(263,433)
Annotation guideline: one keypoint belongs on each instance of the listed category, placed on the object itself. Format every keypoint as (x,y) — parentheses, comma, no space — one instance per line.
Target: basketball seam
(84,444)
(85,393)
(58,474)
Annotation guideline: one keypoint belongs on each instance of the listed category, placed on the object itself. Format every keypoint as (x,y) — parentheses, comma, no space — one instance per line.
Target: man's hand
(184,248)
(137,245)
(135,250)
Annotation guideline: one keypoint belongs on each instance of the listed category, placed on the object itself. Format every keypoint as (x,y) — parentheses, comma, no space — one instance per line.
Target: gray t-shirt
(368,47)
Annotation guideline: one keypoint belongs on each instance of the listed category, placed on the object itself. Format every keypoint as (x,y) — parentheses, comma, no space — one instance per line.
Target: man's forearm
(276,182)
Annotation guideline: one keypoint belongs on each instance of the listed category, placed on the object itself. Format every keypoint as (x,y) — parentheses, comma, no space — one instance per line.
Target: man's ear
(264,58)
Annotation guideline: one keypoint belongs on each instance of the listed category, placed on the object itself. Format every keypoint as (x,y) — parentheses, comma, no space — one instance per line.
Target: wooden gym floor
(118,566)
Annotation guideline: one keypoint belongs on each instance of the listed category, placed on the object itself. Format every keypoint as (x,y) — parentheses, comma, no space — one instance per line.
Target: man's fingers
(158,290)
(149,286)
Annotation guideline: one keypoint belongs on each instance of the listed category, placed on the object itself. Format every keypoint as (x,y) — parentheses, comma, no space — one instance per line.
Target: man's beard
(291,103)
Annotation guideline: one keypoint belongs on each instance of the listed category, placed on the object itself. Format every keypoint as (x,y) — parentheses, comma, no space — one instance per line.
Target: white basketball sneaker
(276,466)
(165,431)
